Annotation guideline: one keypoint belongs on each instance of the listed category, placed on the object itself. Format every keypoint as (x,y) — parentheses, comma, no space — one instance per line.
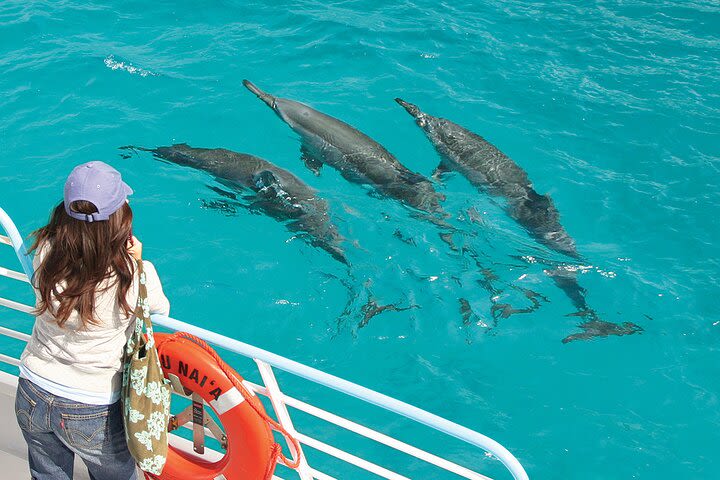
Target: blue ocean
(611,107)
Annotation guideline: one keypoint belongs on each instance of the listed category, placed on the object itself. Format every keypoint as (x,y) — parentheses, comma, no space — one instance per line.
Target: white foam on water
(113,64)
(283,301)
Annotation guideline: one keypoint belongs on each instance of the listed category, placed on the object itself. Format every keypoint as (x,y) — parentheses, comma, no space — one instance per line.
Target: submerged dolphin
(488,169)
(357,157)
(275,191)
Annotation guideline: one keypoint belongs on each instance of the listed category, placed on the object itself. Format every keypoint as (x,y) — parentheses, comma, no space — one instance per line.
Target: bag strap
(142,309)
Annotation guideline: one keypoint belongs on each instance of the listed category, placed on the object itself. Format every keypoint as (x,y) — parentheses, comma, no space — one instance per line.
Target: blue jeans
(56,429)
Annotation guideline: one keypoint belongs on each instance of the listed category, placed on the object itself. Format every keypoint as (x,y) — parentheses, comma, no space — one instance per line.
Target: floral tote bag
(145,392)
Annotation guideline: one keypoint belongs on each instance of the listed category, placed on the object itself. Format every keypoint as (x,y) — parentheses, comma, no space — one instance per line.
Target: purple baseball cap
(98,183)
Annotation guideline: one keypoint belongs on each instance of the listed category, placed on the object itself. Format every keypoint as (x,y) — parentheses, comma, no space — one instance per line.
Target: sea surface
(611,107)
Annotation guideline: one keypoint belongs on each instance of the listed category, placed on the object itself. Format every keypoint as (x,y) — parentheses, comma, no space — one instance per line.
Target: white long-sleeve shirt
(85,363)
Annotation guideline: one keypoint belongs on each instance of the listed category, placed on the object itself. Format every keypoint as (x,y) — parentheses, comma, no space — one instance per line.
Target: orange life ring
(251,449)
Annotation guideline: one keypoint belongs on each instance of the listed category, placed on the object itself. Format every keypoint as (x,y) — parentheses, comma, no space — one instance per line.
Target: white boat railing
(265,362)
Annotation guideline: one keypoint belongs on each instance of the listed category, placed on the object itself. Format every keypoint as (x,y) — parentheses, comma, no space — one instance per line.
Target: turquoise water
(611,107)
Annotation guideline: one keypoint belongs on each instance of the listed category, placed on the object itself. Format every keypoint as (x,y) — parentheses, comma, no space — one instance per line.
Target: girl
(86,290)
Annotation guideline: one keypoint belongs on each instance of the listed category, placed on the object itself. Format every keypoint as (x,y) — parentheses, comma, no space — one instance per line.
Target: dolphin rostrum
(490,170)
(273,191)
(357,157)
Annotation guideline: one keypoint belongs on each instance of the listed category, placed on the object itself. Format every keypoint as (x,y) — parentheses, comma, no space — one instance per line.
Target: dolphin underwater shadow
(267,188)
(491,171)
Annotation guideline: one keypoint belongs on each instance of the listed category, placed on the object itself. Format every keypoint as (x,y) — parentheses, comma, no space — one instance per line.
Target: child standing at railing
(86,288)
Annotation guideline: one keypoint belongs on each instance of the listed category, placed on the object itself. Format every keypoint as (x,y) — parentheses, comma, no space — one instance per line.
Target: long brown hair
(81,256)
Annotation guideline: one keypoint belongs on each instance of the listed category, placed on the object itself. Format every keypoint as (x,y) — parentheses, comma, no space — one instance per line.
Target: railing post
(276,398)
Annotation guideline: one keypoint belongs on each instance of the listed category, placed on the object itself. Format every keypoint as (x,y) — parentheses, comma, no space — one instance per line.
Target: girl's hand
(134,247)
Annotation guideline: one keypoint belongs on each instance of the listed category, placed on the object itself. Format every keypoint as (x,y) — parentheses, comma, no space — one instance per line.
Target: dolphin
(490,170)
(273,191)
(358,158)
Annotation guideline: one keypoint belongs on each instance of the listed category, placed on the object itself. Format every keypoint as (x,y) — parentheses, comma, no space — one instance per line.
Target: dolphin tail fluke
(265,97)
(411,109)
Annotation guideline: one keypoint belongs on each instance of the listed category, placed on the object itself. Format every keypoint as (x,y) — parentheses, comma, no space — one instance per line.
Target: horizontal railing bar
(6,240)
(331,381)
(21,307)
(12,361)
(13,274)
(374,435)
(14,334)
(383,439)
(349,458)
